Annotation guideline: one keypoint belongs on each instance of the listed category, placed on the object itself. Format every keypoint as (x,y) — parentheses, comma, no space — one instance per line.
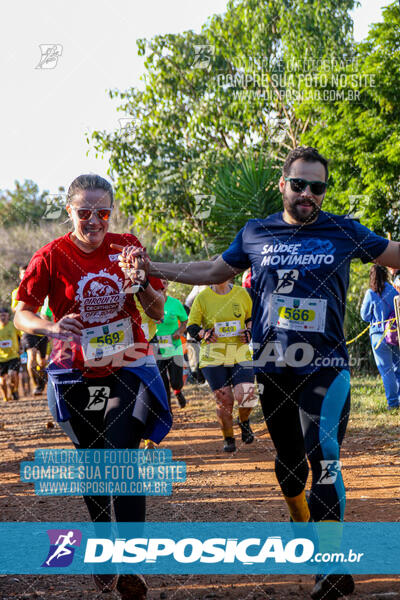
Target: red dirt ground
(219,487)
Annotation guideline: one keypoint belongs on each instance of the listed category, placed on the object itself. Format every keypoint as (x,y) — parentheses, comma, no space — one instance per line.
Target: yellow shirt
(9,347)
(14,300)
(227,314)
(149,326)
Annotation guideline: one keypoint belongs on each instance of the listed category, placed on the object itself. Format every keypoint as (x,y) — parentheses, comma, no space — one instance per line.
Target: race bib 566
(298,314)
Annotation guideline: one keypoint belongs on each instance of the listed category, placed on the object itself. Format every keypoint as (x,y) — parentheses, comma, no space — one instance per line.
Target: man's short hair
(306,153)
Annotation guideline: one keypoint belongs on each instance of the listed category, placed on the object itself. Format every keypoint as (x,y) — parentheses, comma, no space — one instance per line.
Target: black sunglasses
(299,185)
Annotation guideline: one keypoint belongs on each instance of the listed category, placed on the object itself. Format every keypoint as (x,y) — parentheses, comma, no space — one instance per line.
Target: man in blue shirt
(300,261)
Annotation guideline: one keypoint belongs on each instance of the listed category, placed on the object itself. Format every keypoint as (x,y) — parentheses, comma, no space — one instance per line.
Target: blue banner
(198,548)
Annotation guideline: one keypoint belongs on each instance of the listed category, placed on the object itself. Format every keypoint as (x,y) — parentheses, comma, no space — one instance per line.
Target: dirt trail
(219,487)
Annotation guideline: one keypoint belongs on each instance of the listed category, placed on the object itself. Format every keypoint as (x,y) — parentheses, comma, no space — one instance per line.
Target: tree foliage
(244,189)
(206,96)
(362,134)
(23,205)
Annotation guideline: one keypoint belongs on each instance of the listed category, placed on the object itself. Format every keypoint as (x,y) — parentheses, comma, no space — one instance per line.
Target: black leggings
(307,415)
(111,426)
(171,370)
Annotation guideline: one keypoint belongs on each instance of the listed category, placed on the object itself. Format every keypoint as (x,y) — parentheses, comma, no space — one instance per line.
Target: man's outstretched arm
(390,257)
(205,272)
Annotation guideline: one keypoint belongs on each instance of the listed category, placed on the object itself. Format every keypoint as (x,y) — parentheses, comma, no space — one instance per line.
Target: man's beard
(292,207)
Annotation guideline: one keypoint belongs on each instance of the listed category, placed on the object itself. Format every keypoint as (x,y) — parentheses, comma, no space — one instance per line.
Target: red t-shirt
(94,286)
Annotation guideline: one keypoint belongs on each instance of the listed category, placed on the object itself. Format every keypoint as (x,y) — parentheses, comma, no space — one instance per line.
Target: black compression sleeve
(193,331)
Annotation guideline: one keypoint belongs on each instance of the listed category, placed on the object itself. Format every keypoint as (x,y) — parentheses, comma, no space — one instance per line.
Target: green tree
(208,96)
(244,189)
(26,205)
(360,129)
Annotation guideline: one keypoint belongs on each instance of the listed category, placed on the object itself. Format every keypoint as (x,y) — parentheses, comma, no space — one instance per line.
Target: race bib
(227,328)
(297,314)
(165,340)
(5,343)
(105,340)
(145,327)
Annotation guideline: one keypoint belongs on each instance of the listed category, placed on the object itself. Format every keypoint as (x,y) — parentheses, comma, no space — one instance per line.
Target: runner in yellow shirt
(35,346)
(220,318)
(9,356)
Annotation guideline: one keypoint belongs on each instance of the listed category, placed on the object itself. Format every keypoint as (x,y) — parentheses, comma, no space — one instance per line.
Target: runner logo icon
(63,543)
(98,397)
(50,53)
(202,56)
(287,279)
(330,471)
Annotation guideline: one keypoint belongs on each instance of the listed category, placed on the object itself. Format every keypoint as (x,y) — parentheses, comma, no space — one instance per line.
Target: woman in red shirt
(104,386)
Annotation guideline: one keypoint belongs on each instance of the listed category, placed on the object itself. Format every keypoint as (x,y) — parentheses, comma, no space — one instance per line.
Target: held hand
(176,336)
(67,328)
(134,262)
(209,336)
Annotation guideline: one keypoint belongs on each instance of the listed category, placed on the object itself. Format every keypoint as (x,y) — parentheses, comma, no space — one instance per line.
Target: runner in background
(190,298)
(14,301)
(9,356)
(396,278)
(170,358)
(149,327)
(35,346)
(193,347)
(24,381)
(186,368)
(246,281)
(377,308)
(23,376)
(220,318)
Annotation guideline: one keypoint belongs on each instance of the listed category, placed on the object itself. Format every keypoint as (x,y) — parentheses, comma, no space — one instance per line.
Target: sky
(47,113)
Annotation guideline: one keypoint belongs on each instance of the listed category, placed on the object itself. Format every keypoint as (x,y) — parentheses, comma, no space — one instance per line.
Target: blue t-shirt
(300,276)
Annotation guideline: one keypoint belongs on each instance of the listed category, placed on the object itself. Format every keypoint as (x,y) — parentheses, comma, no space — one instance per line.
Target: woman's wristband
(144,285)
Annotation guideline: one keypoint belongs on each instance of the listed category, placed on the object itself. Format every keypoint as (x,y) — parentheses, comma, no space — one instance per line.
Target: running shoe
(331,586)
(15,395)
(181,399)
(229,444)
(105,583)
(132,587)
(247,433)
